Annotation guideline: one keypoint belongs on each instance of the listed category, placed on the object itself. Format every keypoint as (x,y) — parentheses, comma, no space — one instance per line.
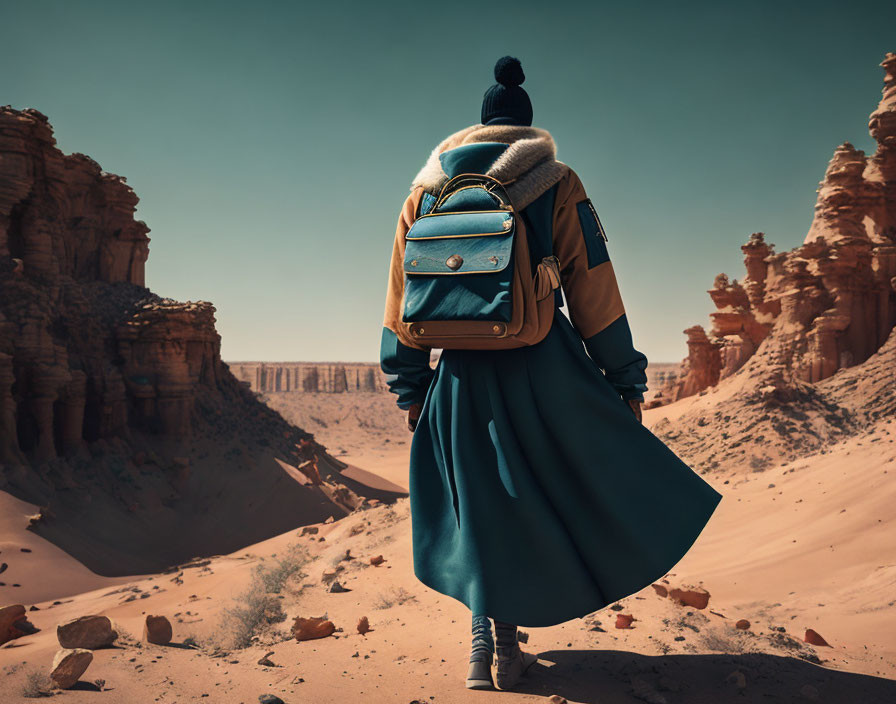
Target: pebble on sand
(814,638)
(311,628)
(624,620)
(689,595)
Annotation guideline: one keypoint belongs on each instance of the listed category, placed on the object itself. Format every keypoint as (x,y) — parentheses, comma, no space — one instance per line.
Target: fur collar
(527,168)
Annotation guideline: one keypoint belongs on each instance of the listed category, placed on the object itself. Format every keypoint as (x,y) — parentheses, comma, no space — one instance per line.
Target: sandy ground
(808,544)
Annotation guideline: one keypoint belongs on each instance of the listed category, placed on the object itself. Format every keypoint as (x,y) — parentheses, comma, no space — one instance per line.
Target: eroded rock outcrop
(826,305)
(115,404)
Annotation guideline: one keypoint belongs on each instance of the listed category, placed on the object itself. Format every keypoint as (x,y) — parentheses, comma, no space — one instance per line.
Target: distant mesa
(826,305)
(310,377)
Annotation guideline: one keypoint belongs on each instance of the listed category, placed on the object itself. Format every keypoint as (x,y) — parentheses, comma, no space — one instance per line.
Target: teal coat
(536,494)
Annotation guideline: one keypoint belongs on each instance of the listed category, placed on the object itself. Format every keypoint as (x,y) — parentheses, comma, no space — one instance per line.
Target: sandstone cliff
(309,377)
(117,414)
(826,305)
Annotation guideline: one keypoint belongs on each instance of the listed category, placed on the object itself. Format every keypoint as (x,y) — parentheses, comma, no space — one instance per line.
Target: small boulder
(363,625)
(157,629)
(266,660)
(337,588)
(311,628)
(557,699)
(89,632)
(813,638)
(697,597)
(377,560)
(13,623)
(660,589)
(742,624)
(270,699)
(624,620)
(309,530)
(68,666)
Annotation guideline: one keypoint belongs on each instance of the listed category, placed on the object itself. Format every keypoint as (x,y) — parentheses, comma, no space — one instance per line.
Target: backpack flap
(459,266)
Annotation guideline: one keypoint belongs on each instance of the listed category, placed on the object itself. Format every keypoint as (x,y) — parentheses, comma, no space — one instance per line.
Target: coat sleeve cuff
(624,366)
(407,370)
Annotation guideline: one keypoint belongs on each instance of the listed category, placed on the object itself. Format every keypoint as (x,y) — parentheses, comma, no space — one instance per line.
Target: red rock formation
(87,352)
(826,305)
(119,397)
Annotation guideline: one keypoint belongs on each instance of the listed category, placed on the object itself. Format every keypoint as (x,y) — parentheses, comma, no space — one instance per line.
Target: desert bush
(259,607)
(37,684)
(275,576)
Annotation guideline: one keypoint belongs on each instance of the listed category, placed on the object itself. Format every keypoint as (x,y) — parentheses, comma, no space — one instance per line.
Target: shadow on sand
(614,677)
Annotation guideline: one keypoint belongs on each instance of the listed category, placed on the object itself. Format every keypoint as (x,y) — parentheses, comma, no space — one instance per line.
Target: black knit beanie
(506,103)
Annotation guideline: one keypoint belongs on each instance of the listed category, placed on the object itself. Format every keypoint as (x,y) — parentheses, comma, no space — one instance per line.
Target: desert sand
(807,544)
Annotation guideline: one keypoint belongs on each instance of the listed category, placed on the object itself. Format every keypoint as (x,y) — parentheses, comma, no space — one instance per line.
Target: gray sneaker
(512,665)
(479,676)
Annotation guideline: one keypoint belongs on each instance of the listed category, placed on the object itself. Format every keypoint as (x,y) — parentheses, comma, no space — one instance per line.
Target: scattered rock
(660,589)
(814,638)
(270,699)
(266,660)
(89,632)
(311,628)
(330,519)
(14,623)
(309,530)
(363,625)
(742,624)
(68,666)
(557,699)
(624,620)
(337,588)
(688,595)
(157,629)
(377,560)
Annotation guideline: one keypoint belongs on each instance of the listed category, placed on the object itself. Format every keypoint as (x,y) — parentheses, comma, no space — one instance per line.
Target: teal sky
(272,144)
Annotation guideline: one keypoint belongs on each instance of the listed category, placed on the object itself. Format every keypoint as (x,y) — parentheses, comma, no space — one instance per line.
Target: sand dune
(781,552)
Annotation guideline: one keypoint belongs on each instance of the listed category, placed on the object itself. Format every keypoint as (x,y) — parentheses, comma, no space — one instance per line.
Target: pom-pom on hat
(506,102)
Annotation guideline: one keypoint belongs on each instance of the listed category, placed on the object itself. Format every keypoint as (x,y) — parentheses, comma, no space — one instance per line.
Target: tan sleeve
(592,294)
(395,287)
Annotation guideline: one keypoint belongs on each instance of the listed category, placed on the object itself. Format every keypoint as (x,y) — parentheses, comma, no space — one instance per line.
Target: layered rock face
(87,350)
(826,305)
(309,377)
(114,402)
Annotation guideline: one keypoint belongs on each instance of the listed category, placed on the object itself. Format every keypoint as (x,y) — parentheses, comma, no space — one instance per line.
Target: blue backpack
(468,280)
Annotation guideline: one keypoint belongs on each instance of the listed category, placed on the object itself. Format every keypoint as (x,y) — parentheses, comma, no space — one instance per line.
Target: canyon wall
(825,305)
(117,415)
(310,377)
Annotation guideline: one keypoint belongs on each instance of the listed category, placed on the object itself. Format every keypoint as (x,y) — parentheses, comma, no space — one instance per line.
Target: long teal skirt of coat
(536,494)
